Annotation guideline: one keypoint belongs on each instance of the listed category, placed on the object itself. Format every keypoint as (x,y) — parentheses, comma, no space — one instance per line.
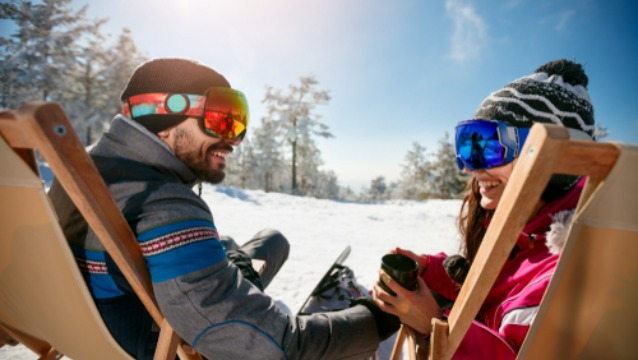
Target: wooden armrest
(6,339)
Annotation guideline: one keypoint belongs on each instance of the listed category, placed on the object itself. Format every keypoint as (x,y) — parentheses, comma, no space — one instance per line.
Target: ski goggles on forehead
(221,112)
(484,144)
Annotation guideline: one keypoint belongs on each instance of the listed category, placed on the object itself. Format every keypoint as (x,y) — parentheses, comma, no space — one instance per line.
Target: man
(181,118)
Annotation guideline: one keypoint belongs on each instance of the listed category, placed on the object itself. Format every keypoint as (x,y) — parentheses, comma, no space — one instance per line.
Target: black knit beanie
(555,93)
(170,75)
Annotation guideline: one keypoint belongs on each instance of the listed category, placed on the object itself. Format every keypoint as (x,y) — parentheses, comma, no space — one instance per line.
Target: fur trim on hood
(557,234)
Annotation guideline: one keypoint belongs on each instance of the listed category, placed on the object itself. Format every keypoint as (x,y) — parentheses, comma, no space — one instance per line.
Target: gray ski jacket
(203,296)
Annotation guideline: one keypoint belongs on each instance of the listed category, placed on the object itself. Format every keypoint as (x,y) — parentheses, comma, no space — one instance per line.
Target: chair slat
(44,127)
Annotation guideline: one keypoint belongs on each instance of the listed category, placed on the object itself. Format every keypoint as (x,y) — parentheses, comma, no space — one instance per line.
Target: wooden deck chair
(44,301)
(596,277)
(405,333)
(590,308)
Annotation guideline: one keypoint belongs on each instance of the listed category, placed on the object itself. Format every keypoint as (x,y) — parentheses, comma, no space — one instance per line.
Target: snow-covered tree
(57,54)
(293,115)
(103,74)
(269,163)
(123,58)
(346,193)
(42,53)
(378,189)
(446,180)
(413,183)
(236,162)
(85,95)
(308,173)
(259,163)
(427,176)
(327,186)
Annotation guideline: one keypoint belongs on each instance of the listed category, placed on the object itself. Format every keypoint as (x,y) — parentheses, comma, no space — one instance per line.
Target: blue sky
(398,71)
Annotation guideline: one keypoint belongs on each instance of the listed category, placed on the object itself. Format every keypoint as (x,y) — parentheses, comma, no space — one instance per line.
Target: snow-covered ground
(318,230)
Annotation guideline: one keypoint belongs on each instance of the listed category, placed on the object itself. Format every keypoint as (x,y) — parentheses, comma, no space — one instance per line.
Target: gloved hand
(457,268)
(245,265)
(387,324)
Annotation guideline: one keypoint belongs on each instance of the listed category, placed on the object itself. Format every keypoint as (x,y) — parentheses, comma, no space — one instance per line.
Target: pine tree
(415,175)
(447,181)
(269,165)
(244,169)
(327,186)
(438,178)
(378,189)
(308,173)
(42,52)
(116,66)
(123,58)
(87,95)
(347,194)
(293,115)
(59,55)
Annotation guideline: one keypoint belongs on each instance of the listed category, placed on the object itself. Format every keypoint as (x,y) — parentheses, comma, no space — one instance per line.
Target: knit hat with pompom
(555,93)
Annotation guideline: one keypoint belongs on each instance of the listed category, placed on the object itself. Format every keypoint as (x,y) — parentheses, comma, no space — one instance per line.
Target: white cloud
(511,4)
(469,35)
(563,19)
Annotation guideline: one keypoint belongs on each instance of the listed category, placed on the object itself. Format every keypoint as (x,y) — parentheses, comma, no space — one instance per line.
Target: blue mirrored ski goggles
(484,144)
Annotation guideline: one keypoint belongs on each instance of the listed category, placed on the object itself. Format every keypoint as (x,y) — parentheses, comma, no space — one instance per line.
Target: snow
(318,230)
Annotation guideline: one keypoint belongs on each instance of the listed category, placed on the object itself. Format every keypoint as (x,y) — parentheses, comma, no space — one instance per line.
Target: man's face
(203,154)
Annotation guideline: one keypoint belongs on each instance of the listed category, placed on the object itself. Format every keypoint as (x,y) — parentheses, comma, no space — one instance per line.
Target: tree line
(58,54)
(281,155)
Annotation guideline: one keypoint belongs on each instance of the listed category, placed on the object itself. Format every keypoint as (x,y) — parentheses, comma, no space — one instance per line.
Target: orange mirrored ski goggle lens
(225,114)
(222,112)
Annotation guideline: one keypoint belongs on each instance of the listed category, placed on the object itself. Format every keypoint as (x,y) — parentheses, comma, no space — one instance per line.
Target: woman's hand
(414,308)
(421,260)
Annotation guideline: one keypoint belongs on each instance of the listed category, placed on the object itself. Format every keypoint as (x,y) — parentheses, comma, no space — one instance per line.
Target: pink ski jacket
(511,305)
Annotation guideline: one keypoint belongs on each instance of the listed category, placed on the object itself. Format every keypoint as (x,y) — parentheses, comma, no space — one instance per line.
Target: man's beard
(197,161)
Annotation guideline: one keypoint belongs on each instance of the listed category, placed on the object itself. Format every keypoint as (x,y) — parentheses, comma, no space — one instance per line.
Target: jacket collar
(535,231)
(131,141)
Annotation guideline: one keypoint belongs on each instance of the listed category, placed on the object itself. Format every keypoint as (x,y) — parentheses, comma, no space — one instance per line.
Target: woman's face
(492,183)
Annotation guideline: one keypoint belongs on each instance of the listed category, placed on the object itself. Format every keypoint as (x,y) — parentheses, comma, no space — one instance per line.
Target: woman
(555,93)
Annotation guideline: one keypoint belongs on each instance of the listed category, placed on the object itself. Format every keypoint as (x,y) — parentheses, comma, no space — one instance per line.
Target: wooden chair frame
(44,127)
(548,150)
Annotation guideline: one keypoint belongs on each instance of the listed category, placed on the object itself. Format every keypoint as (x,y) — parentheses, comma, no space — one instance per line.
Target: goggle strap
(126,108)
(574,134)
(163,104)
(521,133)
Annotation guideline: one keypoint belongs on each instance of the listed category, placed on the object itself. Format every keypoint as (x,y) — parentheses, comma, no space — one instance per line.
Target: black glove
(457,268)
(245,265)
(387,324)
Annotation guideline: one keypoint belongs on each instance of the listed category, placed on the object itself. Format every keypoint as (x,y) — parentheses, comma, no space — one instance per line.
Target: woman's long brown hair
(470,220)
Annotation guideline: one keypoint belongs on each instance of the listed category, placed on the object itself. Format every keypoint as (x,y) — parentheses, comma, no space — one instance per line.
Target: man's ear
(166,136)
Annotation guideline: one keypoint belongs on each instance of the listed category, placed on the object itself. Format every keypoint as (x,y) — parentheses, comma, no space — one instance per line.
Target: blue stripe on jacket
(179,248)
(92,265)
